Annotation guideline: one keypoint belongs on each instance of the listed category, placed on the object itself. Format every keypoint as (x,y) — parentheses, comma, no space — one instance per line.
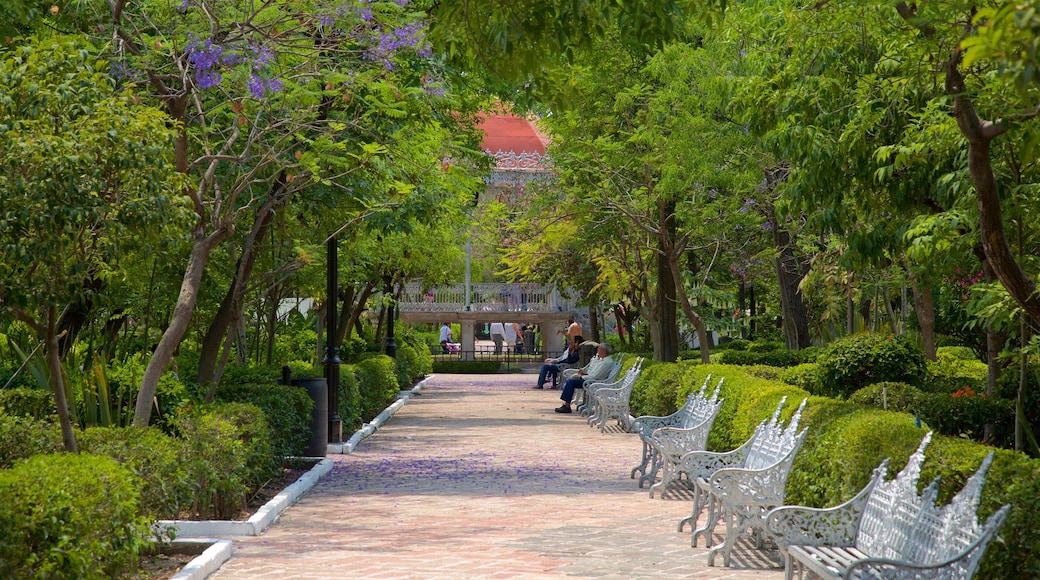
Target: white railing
(484,298)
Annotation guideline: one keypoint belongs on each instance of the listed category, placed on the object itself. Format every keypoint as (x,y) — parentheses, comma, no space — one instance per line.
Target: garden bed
(264,515)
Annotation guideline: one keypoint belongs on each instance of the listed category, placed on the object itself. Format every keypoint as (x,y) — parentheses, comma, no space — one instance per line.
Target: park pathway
(479,478)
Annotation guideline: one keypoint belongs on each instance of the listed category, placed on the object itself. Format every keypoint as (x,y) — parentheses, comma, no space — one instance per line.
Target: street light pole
(332,360)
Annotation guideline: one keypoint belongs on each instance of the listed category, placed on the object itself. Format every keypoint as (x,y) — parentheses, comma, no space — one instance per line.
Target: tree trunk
(979,135)
(52,353)
(201,249)
(924,308)
(694,318)
(668,349)
(231,306)
(594,325)
(350,316)
(789,273)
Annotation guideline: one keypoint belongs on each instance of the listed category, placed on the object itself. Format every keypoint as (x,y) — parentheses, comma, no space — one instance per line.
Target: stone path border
(369,428)
(206,563)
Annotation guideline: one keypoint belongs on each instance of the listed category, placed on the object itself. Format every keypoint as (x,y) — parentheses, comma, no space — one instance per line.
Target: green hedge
(478,367)
(160,461)
(27,402)
(287,409)
(847,440)
(228,452)
(349,398)
(776,358)
(69,516)
(377,382)
(412,362)
(956,416)
(853,362)
(23,437)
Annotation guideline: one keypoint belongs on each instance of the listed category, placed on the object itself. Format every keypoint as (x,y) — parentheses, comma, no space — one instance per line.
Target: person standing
(573,332)
(529,346)
(445,337)
(498,333)
(510,336)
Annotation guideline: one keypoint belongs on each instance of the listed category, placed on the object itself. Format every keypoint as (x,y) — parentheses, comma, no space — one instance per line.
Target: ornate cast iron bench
(741,486)
(608,401)
(889,531)
(667,439)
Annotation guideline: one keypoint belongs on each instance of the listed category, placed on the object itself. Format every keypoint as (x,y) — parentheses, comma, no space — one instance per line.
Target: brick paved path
(479,478)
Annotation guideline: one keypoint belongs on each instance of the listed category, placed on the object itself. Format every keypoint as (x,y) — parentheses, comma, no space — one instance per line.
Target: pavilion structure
(518,147)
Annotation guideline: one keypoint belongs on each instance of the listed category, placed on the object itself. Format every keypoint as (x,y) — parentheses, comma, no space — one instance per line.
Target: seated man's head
(604,350)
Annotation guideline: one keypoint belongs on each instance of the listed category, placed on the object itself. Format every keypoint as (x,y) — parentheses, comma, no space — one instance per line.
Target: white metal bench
(743,485)
(608,401)
(667,439)
(888,530)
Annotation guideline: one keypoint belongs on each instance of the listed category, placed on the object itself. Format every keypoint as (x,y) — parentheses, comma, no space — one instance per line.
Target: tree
(86,173)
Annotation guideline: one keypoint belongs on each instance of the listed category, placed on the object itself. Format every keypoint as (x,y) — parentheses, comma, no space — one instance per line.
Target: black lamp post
(332,360)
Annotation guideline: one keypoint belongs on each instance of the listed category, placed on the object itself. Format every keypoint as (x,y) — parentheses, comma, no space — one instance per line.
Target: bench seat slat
(826,561)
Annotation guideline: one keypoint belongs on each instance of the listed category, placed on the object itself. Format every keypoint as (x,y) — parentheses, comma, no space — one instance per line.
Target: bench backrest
(943,533)
(699,409)
(772,442)
(881,504)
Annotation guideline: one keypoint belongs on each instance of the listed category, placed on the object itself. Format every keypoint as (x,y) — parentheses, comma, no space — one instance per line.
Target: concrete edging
(370,428)
(206,563)
(260,520)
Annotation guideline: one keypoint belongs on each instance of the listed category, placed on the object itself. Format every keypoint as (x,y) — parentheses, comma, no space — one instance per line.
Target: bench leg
(655,467)
(732,531)
(708,530)
(641,468)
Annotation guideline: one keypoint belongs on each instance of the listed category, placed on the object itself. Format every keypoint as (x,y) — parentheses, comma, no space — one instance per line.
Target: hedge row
(69,516)
(847,440)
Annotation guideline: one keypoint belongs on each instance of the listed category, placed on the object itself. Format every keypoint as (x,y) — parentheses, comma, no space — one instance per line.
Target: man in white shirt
(445,337)
(498,335)
(597,370)
(510,335)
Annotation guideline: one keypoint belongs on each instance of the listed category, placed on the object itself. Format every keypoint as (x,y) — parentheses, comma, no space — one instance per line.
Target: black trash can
(319,392)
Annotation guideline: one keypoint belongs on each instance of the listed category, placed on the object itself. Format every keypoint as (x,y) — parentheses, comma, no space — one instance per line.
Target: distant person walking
(510,335)
(498,334)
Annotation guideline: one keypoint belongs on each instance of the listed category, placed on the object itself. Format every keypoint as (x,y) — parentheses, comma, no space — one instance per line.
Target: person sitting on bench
(597,370)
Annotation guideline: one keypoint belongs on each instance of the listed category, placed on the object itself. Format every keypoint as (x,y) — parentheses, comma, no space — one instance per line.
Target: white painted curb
(260,520)
(370,428)
(208,561)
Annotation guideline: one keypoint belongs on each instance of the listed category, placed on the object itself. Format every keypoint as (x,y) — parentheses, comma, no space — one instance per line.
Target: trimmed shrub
(228,451)
(855,361)
(27,402)
(842,449)
(658,386)
(951,373)
(775,358)
(69,516)
(286,408)
(764,372)
(154,457)
(748,400)
(805,375)
(349,398)
(377,382)
(967,416)
(475,367)
(897,397)
(407,365)
(23,437)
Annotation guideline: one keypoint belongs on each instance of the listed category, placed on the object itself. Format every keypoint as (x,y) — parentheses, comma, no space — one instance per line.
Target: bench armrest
(836,526)
(702,464)
(739,486)
(645,425)
(804,526)
(676,441)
